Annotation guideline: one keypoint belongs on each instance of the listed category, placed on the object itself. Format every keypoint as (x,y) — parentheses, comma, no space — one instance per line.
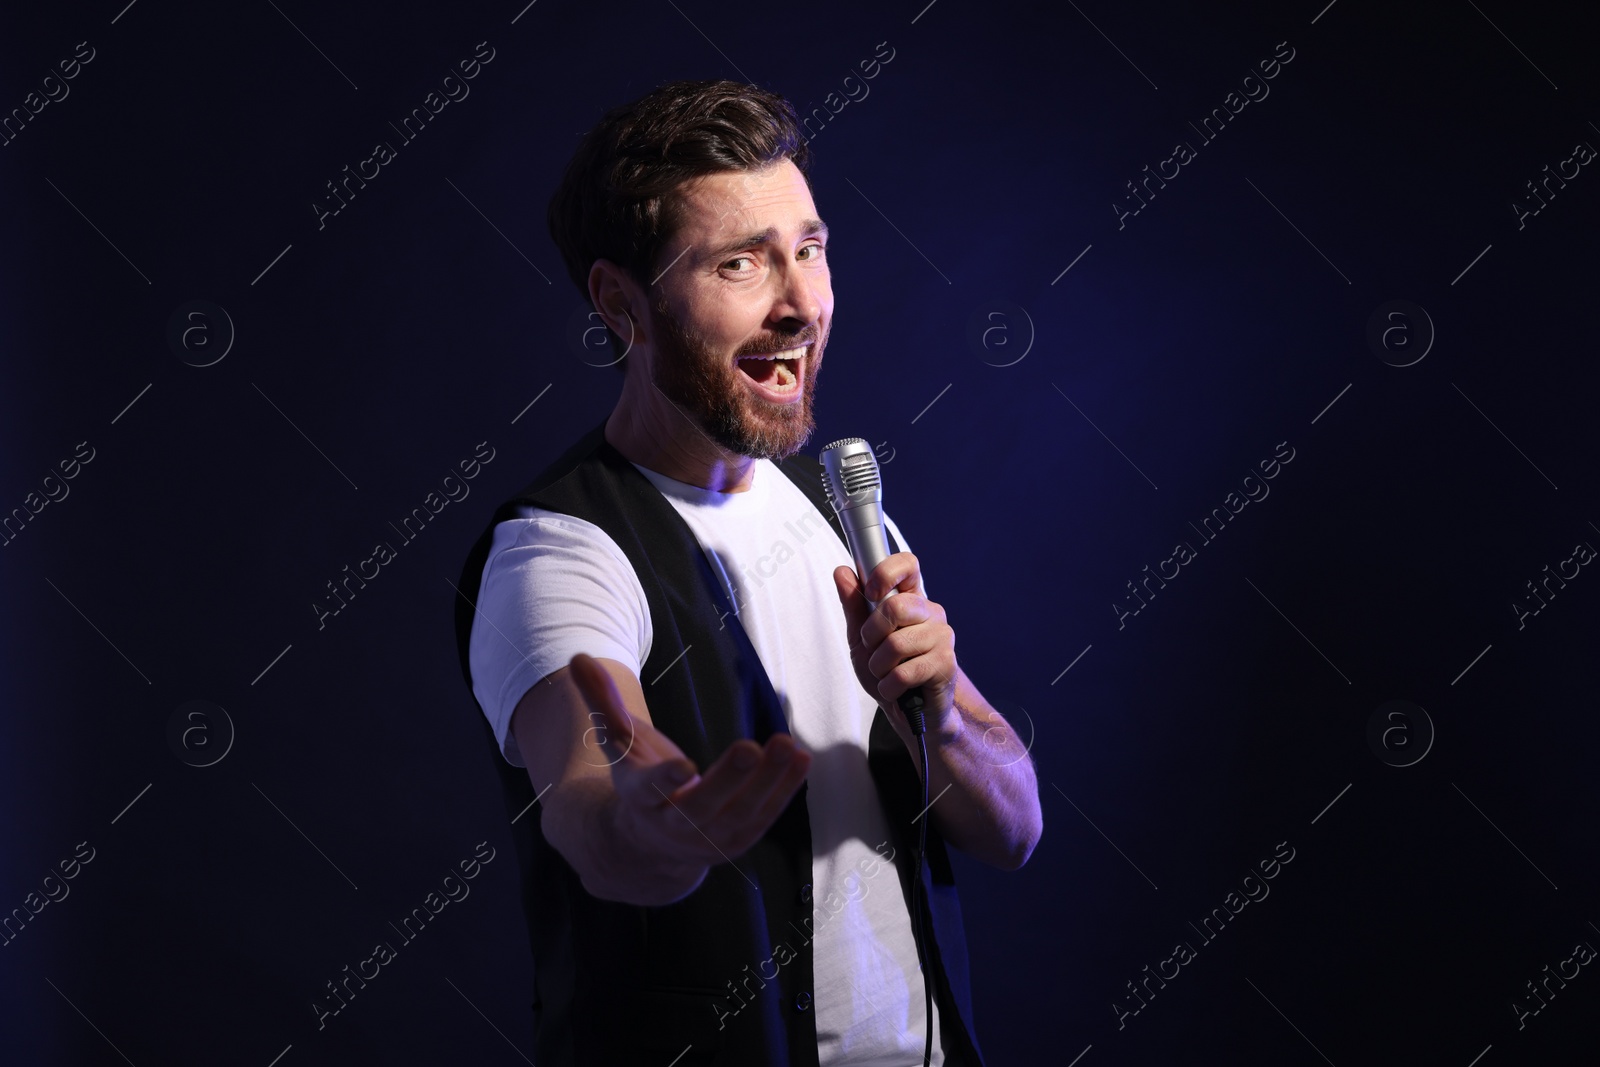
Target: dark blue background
(1220,721)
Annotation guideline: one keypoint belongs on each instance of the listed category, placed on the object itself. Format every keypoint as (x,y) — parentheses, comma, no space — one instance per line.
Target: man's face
(744,276)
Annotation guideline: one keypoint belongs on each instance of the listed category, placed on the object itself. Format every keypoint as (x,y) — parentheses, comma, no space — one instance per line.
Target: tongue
(764,371)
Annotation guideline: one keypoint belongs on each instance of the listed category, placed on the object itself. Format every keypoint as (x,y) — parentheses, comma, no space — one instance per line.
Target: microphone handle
(869,546)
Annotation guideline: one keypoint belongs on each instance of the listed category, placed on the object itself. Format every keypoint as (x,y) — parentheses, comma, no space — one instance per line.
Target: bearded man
(719,807)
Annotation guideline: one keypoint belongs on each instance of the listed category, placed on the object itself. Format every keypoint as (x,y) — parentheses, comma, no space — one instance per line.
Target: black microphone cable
(911,703)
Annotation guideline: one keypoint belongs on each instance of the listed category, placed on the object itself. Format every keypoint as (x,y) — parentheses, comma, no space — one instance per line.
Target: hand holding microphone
(907,651)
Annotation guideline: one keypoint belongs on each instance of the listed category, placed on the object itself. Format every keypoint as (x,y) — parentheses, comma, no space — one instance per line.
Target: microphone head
(850,474)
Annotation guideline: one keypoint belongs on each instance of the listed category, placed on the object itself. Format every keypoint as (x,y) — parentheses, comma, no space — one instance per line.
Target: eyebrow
(808,228)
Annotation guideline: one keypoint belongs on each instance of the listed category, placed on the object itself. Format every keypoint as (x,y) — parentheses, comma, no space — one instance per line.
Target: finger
(727,775)
(749,812)
(765,798)
(916,671)
(667,782)
(899,572)
(904,645)
(622,739)
(856,608)
(893,614)
(599,691)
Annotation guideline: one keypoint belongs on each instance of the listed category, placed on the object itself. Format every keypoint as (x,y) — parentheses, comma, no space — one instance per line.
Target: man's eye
(738,259)
(817,249)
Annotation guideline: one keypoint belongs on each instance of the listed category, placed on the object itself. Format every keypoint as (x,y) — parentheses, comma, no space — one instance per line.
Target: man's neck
(655,433)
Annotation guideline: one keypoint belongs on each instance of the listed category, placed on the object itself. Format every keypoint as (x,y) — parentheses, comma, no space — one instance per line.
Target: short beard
(705,386)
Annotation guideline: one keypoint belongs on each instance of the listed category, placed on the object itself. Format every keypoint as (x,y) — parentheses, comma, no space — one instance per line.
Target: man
(665,630)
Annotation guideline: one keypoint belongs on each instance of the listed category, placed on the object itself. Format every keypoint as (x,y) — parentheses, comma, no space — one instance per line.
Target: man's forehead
(774,196)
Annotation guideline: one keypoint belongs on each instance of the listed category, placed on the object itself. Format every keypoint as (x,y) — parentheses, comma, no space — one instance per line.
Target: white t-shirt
(554,585)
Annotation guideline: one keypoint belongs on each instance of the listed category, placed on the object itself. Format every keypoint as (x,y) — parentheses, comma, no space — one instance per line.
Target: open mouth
(776,375)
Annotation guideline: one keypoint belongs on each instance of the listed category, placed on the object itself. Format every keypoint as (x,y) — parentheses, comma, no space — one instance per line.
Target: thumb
(599,691)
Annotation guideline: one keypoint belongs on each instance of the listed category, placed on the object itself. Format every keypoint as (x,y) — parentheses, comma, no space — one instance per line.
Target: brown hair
(616,199)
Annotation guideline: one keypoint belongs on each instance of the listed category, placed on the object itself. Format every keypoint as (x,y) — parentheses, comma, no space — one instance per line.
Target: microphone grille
(850,472)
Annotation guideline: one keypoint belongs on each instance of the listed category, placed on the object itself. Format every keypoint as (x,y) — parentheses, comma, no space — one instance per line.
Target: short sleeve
(553,585)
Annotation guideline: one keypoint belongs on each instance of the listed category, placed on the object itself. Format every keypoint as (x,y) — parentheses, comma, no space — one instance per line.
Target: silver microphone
(852,484)
(850,480)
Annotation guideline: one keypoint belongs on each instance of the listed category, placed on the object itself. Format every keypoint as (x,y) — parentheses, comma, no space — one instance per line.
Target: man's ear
(620,301)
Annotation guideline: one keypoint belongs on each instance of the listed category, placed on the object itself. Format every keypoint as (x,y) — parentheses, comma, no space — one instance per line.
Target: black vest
(726,972)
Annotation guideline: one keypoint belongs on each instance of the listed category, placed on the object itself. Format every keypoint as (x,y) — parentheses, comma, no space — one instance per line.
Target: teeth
(793,353)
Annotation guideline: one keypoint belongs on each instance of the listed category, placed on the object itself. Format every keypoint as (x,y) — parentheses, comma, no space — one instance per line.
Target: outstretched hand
(666,807)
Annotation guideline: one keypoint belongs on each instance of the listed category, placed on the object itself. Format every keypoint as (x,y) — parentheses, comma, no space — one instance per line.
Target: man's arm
(624,805)
(981,786)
